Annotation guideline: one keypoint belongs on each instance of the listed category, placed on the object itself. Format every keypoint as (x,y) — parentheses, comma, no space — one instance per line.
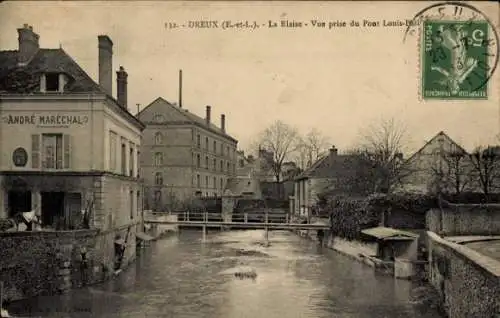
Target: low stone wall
(467,281)
(464,219)
(48,262)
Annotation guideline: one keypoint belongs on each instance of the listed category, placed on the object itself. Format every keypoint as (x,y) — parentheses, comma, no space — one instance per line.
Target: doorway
(19,201)
(53,209)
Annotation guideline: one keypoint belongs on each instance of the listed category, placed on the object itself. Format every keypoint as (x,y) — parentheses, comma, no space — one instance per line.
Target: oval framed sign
(20,157)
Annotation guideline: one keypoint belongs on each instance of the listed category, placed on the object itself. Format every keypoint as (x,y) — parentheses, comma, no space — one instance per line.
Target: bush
(349,216)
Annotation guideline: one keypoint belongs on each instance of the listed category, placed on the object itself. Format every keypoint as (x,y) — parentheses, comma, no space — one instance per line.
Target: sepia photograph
(244,159)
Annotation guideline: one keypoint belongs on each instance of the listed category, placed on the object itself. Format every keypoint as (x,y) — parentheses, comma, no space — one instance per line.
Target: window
(198,180)
(139,203)
(158,138)
(131,160)
(52,82)
(198,141)
(242,163)
(158,118)
(124,157)
(215,183)
(215,164)
(113,138)
(138,163)
(215,146)
(221,183)
(227,151)
(55,151)
(221,166)
(158,159)
(157,200)
(221,149)
(131,196)
(228,167)
(206,143)
(198,160)
(206,181)
(206,162)
(158,178)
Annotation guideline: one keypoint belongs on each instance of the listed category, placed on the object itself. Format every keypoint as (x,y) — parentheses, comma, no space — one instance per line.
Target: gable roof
(439,134)
(187,117)
(15,79)
(331,166)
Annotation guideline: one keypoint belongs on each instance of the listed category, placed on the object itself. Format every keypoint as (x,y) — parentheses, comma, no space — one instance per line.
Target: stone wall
(465,219)
(41,263)
(467,281)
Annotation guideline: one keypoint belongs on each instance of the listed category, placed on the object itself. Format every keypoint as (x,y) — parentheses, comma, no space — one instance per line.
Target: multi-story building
(183,155)
(66,144)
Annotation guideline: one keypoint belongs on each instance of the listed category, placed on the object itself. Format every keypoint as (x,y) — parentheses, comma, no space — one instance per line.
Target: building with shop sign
(67,147)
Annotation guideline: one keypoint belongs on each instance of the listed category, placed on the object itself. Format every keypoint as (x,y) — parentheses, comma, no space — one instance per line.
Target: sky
(338,80)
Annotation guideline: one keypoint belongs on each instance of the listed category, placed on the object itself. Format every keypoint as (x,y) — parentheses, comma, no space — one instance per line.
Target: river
(182,277)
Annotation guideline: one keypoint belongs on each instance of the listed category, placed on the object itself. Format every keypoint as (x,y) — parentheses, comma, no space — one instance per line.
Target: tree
(310,148)
(280,140)
(382,145)
(486,167)
(451,171)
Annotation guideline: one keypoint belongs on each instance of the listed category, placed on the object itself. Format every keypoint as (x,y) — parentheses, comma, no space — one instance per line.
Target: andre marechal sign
(45,120)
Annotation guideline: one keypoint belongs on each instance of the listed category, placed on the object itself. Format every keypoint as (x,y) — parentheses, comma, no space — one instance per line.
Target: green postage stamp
(454,60)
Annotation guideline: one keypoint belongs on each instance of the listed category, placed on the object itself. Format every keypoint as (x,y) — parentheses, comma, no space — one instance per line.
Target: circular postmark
(459,50)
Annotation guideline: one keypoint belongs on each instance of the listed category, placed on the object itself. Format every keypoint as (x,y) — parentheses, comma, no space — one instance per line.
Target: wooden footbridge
(260,220)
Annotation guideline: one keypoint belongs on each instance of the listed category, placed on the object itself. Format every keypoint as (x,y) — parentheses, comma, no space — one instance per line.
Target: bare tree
(310,148)
(280,140)
(486,167)
(383,145)
(451,171)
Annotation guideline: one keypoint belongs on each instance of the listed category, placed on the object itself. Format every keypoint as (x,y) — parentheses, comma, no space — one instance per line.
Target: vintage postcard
(226,159)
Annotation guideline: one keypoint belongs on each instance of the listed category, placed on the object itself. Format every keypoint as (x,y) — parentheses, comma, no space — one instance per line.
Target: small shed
(393,243)
(398,246)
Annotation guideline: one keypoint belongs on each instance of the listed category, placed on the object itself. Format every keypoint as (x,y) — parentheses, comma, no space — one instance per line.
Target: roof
(387,233)
(15,79)
(190,117)
(25,79)
(331,166)
(439,134)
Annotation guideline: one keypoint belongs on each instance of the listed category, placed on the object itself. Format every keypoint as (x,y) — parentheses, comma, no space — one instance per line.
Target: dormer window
(52,82)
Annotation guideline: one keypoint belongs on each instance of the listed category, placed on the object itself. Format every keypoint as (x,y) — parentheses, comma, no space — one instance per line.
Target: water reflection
(180,277)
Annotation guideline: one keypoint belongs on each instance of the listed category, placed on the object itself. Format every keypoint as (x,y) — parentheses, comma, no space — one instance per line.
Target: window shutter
(67,151)
(35,151)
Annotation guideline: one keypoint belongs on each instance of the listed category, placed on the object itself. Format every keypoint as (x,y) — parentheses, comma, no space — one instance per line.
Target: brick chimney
(121,87)
(207,117)
(106,64)
(28,44)
(223,122)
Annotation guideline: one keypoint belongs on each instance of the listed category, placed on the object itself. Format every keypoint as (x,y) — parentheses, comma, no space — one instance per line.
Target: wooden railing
(246,217)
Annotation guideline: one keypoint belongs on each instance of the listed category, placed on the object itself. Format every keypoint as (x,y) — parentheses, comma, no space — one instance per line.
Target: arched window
(158,178)
(206,162)
(198,161)
(158,159)
(158,138)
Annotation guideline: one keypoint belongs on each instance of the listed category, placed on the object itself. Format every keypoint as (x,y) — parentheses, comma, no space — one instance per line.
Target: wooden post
(204,234)
(246,217)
